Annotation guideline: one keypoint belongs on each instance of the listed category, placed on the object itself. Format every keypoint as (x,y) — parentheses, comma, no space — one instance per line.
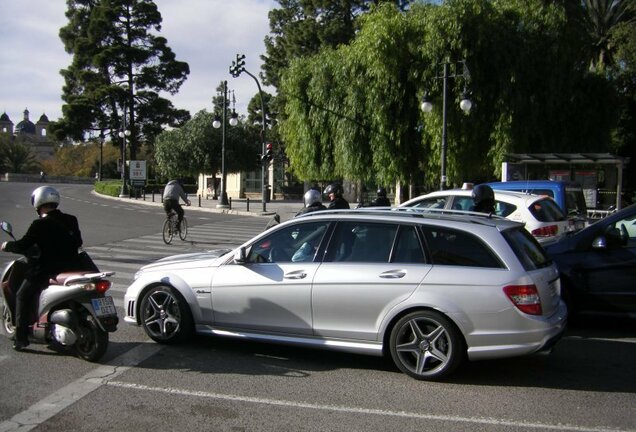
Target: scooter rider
(313,202)
(171,194)
(381,200)
(334,192)
(484,199)
(58,237)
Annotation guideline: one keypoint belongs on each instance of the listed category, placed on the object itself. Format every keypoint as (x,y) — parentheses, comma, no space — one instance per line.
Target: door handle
(393,274)
(299,274)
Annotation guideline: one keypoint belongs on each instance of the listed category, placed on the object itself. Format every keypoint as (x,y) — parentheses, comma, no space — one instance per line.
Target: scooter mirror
(6,227)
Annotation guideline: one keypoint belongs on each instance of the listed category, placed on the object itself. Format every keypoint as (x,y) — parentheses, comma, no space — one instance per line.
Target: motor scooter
(72,311)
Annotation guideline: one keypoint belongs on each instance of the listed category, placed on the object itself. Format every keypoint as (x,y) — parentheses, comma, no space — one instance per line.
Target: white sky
(207,34)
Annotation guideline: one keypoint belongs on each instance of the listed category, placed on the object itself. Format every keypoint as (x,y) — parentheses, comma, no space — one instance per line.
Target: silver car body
(353,306)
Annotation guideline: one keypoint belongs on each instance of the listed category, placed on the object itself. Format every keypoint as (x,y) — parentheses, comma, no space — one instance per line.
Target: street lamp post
(238,67)
(101,155)
(224,203)
(123,134)
(449,70)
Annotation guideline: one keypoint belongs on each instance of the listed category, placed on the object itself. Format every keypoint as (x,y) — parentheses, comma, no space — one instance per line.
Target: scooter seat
(61,278)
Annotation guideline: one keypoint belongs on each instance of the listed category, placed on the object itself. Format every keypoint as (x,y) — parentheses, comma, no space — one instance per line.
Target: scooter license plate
(104,306)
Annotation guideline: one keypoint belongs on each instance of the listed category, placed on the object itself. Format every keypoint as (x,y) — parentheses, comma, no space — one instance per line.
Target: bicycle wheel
(183,229)
(167,231)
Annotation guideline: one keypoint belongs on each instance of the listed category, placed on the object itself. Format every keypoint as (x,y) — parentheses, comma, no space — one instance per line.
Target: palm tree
(601,18)
(17,157)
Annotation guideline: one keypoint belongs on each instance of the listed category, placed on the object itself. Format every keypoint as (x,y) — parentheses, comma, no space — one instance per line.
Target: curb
(191,207)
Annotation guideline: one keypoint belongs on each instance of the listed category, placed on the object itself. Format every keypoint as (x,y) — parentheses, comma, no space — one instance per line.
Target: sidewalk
(285,209)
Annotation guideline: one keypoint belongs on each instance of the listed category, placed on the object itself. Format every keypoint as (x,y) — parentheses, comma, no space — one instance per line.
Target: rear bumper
(540,335)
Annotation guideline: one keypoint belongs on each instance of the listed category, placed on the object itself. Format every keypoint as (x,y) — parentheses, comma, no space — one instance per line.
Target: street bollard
(199,200)
(229,201)
(248,203)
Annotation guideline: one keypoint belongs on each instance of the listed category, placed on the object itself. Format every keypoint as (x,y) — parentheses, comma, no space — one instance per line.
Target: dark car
(598,266)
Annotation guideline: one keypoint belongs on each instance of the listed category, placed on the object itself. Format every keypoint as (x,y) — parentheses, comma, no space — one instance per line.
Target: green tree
(196,146)
(301,27)
(16,156)
(119,62)
(602,18)
(353,111)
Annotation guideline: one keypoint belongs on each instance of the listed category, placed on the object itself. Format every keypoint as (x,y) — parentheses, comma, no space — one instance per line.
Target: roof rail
(406,212)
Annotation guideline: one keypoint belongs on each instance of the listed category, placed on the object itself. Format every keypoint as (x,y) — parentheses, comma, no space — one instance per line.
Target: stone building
(32,134)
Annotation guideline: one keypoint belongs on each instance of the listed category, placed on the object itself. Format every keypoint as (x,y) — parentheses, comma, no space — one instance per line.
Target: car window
(408,248)
(463,203)
(359,241)
(504,209)
(458,248)
(546,192)
(435,203)
(527,249)
(297,242)
(546,210)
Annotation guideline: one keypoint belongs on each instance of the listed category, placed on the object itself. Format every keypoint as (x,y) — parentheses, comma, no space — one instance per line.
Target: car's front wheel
(165,315)
(426,345)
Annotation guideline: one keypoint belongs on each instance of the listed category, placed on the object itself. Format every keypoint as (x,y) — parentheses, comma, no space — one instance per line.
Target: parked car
(426,289)
(598,266)
(542,216)
(568,195)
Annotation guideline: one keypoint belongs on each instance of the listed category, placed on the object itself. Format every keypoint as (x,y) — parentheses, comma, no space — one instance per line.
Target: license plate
(104,306)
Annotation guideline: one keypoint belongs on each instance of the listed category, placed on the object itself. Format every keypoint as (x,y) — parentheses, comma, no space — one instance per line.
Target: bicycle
(171,227)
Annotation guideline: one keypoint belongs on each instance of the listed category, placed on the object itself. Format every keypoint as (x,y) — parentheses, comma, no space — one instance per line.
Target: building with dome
(32,134)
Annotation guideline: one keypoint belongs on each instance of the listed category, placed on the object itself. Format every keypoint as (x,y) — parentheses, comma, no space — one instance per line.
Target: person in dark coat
(313,202)
(334,192)
(58,238)
(381,200)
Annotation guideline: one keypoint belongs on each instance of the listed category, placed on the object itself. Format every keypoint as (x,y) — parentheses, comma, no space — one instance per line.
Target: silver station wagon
(427,289)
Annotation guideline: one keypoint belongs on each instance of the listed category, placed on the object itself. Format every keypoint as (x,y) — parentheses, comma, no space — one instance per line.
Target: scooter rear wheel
(7,320)
(92,341)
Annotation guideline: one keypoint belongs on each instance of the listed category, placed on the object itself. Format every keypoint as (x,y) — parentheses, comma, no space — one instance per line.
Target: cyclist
(171,195)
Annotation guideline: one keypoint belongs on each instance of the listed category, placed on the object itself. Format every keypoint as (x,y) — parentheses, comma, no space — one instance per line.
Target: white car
(422,287)
(541,214)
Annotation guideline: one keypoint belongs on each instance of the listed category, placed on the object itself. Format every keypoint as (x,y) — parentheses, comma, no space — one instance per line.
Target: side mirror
(240,256)
(6,227)
(599,243)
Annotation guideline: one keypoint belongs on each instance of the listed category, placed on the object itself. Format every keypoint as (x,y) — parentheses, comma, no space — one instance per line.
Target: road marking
(357,410)
(66,396)
(586,338)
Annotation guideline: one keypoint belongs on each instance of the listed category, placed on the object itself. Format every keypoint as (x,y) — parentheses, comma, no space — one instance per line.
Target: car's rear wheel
(165,315)
(426,345)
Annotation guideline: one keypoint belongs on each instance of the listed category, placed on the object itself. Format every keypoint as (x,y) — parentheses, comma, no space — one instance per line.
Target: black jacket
(339,203)
(58,237)
(312,208)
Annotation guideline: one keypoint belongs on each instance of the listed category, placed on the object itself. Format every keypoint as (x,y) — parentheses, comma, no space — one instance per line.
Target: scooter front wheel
(92,341)
(7,320)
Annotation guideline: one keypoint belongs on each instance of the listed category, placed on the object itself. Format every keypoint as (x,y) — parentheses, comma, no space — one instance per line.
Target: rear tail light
(101,286)
(525,298)
(546,231)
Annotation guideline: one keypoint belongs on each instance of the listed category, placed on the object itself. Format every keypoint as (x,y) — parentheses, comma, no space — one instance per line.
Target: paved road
(587,385)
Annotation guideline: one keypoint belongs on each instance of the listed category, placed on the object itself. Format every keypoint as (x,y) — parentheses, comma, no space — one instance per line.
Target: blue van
(568,195)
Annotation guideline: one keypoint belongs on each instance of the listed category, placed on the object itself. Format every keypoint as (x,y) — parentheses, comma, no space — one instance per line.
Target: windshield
(527,249)
(546,210)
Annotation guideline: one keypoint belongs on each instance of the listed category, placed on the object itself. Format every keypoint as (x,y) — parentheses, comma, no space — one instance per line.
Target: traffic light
(269,155)
(238,65)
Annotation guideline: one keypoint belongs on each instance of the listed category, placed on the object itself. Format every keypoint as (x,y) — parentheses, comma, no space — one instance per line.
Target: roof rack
(410,212)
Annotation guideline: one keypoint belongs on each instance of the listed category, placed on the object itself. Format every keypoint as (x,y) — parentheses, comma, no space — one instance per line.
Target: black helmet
(381,192)
(484,198)
(334,188)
